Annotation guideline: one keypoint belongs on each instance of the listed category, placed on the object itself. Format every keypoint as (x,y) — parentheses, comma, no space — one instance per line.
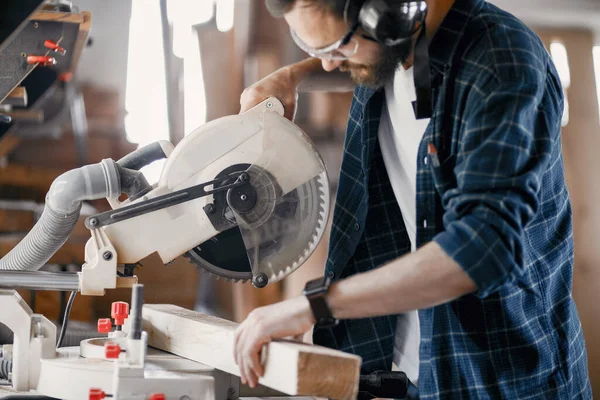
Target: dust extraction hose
(61,213)
(5,368)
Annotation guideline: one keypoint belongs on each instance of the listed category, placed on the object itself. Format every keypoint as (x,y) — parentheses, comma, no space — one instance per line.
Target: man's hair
(278,8)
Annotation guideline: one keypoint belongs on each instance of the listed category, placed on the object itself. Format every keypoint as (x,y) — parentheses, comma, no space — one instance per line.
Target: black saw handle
(386,384)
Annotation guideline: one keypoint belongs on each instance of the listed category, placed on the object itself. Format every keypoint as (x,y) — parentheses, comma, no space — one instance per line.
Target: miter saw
(245,197)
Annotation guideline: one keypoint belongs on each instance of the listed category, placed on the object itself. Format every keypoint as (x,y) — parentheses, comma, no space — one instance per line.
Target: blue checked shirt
(497,204)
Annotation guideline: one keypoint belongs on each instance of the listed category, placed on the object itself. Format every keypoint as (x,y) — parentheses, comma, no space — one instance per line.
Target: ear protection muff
(390,22)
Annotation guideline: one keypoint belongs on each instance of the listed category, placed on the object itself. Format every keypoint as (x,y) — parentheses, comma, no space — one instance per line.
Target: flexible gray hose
(63,204)
(5,368)
(47,236)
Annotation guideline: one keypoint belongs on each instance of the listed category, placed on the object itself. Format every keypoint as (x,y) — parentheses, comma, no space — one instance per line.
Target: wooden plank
(57,16)
(8,143)
(82,36)
(16,220)
(62,153)
(24,176)
(26,115)
(18,97)
(292,368)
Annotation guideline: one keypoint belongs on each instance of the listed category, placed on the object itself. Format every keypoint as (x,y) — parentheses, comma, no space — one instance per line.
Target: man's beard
(382,71)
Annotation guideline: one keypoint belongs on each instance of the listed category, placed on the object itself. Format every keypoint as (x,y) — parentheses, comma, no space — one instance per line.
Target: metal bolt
(93,221)
(209,208)
(38,331)
(260,280)
(243,197)
(23,55)
(231,394)
(244,177)
(35,25)
(269,104)
(107,255)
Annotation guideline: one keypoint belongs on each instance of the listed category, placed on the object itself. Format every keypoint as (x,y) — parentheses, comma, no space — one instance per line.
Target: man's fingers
(252,360)
(239,352)
(255,356)
(236,339)
(250,376)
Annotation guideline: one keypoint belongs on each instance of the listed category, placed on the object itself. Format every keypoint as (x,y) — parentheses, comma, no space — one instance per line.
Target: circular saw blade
(227,256)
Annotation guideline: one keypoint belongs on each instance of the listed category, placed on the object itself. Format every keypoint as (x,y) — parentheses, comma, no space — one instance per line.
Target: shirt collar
(444,44)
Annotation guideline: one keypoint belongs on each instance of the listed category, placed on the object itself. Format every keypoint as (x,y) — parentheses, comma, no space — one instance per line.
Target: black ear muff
(391,22)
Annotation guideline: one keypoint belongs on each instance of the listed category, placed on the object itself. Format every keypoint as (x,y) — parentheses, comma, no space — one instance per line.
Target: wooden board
(36,116)
(27,176)
(82,36)
(290,367)
(57,16)
(8,143)
(18,97)
(16,220)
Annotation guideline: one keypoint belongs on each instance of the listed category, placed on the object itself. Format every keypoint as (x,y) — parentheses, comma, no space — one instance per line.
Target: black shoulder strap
(422,77)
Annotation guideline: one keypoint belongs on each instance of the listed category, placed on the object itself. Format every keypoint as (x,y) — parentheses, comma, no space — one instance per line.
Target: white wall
(556,13)
(105,62)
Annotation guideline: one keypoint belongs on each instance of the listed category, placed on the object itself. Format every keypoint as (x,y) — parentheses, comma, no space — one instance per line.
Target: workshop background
(157,69)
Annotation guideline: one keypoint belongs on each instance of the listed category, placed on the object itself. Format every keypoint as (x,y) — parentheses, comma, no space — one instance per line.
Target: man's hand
(280,84)
(289,318)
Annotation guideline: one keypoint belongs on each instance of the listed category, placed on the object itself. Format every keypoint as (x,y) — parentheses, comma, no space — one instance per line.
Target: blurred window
(146,120)
(561,60)
(597,69)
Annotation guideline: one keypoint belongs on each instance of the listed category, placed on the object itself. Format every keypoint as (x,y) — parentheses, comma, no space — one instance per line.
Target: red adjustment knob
(54,46)
(104,325)
(65,77)
(97,394)
(44,60)
(112,350)
(158,396)
(119,312)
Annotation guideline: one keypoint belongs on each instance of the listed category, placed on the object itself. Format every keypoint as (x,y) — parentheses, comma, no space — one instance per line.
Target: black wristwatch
(315,292)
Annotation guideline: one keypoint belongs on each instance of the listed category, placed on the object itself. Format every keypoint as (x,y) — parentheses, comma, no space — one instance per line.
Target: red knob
(104,325)
(65,77)
(44,60)
(119,312)
(97,394)
(158,396)
(54,46)
(112,350)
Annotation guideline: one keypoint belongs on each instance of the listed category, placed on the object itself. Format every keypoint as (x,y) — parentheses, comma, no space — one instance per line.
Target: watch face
(327,322)
(316,286)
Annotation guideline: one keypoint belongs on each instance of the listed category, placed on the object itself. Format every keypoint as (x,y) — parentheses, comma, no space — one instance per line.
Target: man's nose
(330,65)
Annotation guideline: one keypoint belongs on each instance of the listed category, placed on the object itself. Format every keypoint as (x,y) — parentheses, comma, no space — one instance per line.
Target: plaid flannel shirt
(498,205)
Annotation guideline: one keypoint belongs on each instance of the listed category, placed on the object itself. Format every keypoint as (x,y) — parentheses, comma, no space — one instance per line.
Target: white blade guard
(290,214)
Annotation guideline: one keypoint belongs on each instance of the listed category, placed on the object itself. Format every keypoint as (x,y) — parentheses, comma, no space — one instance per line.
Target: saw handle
(143,156)
(386,384)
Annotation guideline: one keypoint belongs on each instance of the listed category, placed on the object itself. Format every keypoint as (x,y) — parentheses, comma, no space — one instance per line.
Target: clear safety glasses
(342,49)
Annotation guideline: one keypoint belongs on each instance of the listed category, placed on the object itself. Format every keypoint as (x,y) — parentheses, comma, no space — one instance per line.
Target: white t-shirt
(400,134)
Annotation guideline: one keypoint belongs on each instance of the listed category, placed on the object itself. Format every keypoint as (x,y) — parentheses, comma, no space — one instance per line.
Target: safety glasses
(342,49)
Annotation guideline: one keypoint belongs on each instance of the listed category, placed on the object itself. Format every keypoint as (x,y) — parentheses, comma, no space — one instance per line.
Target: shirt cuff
(479,250)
